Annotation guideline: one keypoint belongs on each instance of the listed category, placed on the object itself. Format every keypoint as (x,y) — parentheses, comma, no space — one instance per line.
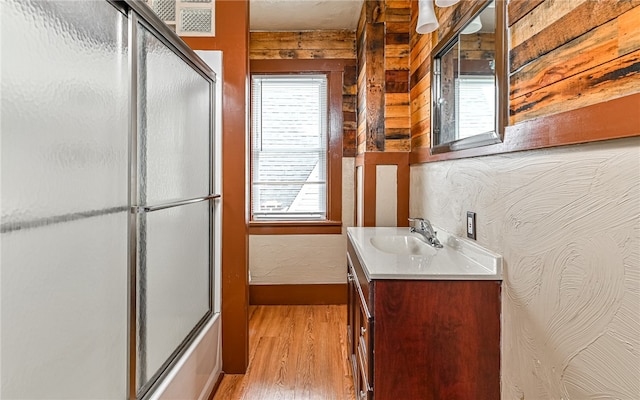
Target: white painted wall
(305,259)
(386,195)
(567,221)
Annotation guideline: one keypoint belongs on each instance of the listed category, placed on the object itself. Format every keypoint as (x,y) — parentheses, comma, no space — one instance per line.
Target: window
(475,105)
(296,146)
(289,147)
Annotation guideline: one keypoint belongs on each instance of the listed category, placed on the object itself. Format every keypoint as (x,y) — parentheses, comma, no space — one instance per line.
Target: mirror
(468,81)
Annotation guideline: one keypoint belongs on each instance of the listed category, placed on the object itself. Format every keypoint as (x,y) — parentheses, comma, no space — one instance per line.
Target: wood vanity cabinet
(423,339)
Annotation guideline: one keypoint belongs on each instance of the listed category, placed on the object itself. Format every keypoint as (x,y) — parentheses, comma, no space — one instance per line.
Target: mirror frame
(501,78)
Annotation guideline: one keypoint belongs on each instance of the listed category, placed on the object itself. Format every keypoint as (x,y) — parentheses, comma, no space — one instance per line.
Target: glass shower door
(64,193)
(107,181)
(175,219)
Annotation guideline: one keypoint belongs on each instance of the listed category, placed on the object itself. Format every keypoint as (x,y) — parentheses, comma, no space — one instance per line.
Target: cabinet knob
(363,395)
(362,330)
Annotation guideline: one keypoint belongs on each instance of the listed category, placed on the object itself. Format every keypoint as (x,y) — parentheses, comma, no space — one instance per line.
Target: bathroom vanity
(423,323)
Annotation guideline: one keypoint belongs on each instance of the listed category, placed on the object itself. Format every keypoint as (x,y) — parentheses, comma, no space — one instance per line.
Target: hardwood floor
(295,352)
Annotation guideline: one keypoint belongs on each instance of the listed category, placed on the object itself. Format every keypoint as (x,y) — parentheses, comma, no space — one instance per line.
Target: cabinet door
(364,346)
(351,309)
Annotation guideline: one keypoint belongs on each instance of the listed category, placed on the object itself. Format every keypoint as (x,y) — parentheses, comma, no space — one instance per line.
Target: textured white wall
(567,221)
(302,259)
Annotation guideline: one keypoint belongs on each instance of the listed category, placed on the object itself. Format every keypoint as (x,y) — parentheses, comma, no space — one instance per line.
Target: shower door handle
(146,209)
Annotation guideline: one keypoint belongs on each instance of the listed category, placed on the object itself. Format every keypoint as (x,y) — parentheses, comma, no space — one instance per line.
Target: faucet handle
(414,219)
(419,220)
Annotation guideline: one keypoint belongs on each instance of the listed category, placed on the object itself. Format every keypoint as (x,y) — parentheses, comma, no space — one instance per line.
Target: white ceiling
(304,15)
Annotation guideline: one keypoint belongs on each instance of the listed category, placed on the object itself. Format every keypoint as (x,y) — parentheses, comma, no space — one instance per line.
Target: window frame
(333,70)
(305,132)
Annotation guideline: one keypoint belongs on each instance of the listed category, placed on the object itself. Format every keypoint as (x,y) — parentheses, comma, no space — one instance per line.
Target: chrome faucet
(426,230)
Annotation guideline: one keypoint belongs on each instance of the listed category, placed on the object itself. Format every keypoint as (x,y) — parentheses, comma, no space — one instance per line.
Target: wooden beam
(375,86)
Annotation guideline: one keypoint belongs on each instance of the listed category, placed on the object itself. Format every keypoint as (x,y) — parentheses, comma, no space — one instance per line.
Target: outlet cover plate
(471,225)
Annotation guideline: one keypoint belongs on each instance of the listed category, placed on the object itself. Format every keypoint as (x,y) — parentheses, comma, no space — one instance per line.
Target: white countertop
(459,259)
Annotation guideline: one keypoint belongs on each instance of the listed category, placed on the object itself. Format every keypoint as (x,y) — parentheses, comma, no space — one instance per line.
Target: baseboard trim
(216,386)
(303,294)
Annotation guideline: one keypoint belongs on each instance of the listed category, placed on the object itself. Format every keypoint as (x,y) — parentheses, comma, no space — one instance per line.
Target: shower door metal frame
(139,13)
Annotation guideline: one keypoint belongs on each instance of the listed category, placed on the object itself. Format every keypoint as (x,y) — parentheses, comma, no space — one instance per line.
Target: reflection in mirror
(464,84)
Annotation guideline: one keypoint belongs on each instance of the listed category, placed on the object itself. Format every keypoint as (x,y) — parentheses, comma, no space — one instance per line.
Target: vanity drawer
(364,348)
(365,391)
(364,331)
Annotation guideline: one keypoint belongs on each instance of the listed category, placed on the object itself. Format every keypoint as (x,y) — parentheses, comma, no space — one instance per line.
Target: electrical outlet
(471,225)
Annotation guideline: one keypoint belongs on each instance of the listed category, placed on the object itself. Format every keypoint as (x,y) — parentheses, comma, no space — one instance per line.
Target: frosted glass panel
(174,125)
(64,310)
(175,245)
(64,183)
(64,108)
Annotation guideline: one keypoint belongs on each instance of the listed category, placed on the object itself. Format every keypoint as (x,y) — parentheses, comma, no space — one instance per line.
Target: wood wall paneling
(419,84)
(565,58)
(540,18)
(350,112)
(361,95)
(450,17)
(306,45)
(375,86)
(397,115)
(613,79)
(374,11)
(520,8)
(232,37)
(584,18)
(383,38)
(612,119)
(597,66)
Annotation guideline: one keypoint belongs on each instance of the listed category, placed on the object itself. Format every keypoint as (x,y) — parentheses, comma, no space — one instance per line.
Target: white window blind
(476,95)
(289,147)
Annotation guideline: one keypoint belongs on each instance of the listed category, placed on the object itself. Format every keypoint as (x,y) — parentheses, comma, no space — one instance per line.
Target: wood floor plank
(296,352)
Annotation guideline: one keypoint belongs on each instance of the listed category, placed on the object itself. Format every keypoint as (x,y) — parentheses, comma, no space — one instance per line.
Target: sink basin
(398,253)
(402,245)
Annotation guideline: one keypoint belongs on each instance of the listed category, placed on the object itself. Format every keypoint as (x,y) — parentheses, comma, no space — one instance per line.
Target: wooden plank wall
(567,55)
(361,133)
(316,45)
(383,76)
(397,123)
(419,83)
(563,55)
